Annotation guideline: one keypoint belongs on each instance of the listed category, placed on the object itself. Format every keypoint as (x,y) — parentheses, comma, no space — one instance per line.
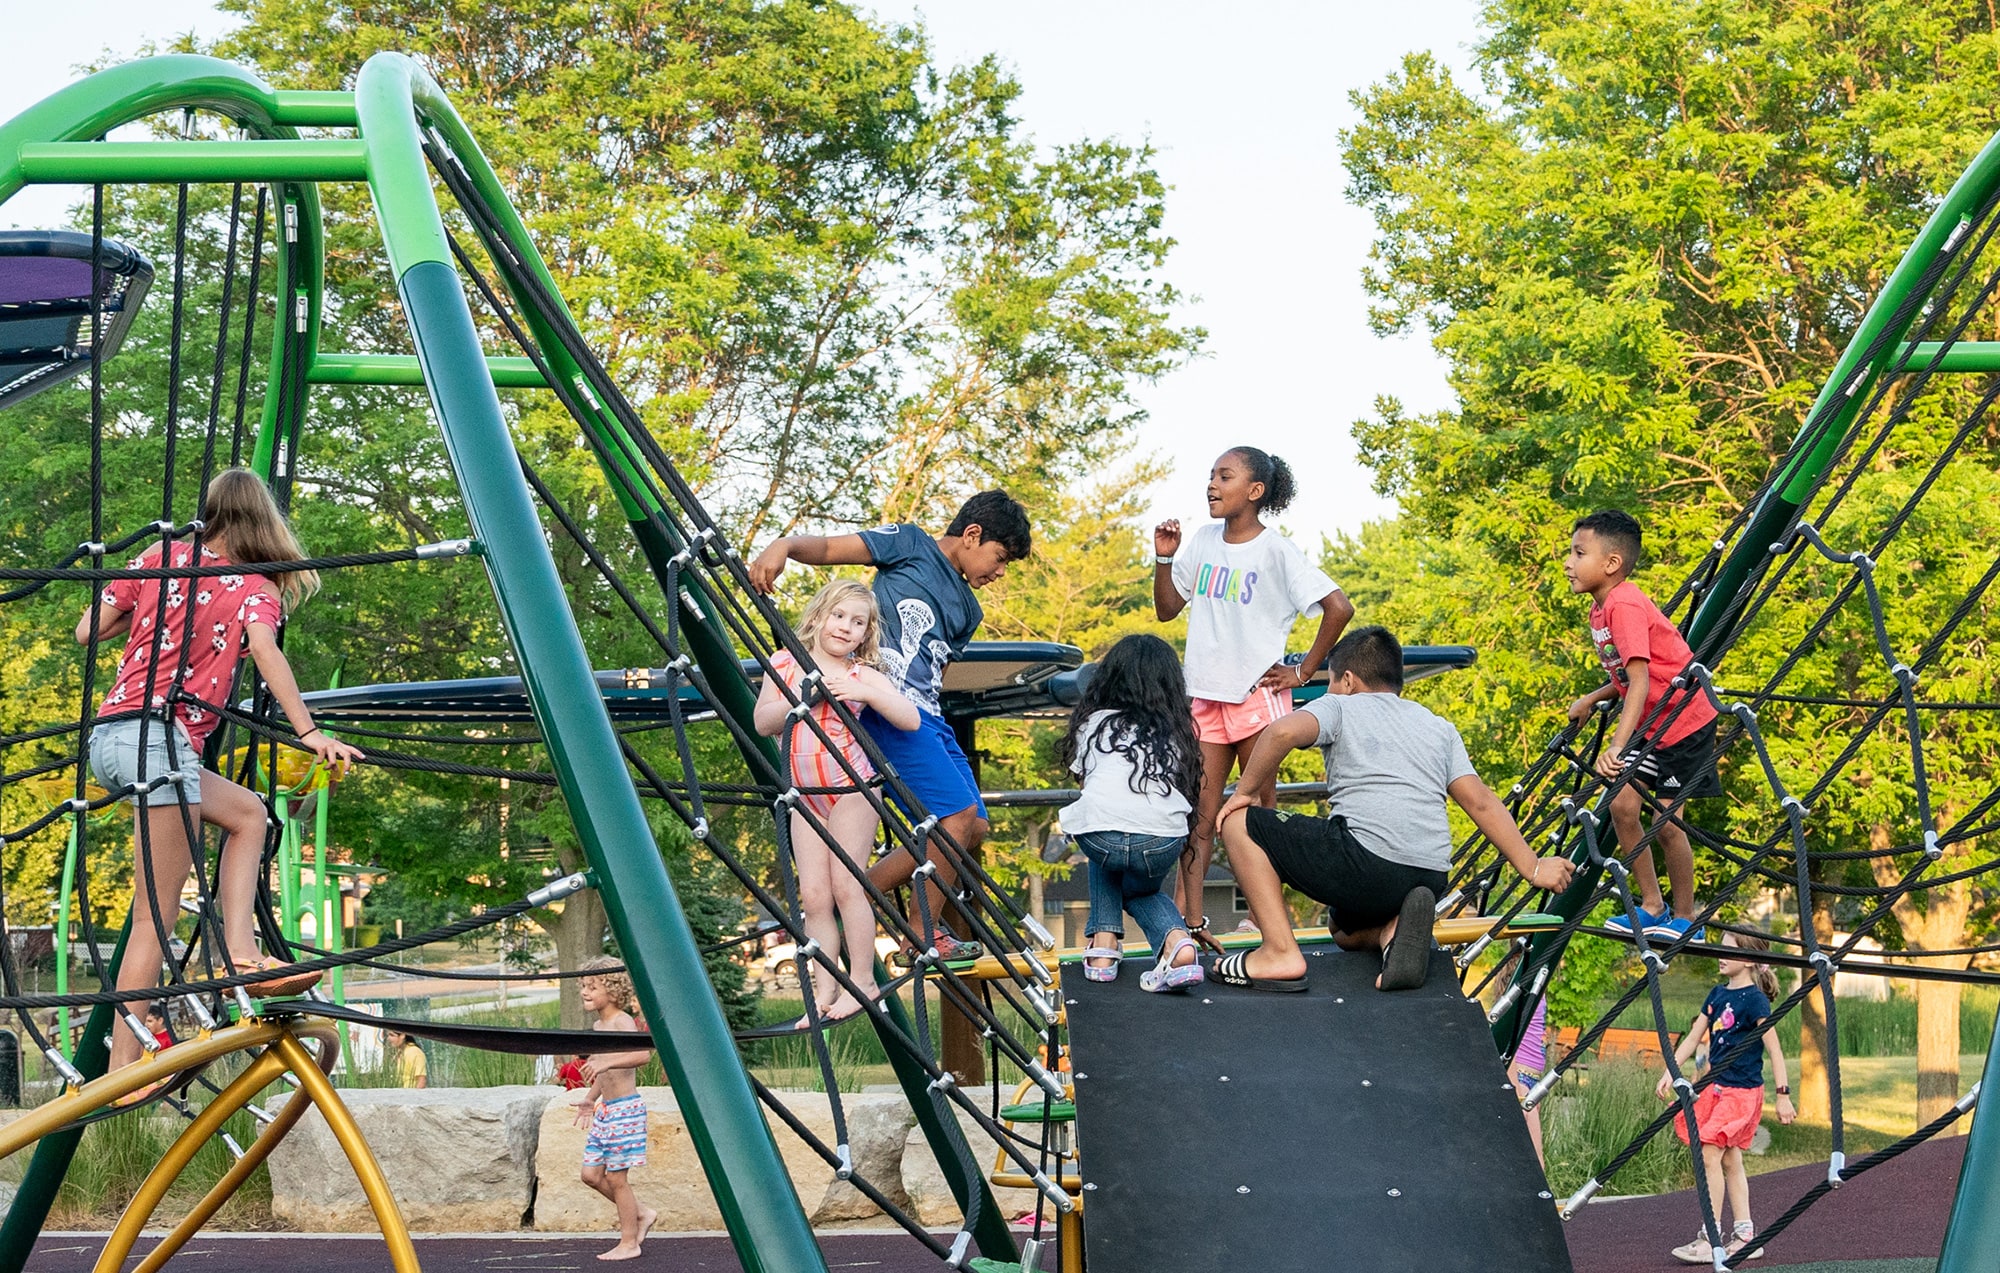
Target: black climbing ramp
(1340,1129)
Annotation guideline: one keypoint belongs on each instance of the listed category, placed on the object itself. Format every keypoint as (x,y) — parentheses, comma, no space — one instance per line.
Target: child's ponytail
(1762,974)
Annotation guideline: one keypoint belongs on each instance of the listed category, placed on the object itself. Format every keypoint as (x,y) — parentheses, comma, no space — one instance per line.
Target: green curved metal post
(752,1189)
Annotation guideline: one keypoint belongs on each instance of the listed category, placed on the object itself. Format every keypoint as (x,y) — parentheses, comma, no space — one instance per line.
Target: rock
(931,1200)
(673,1183)
(457,1159)
(877,1126)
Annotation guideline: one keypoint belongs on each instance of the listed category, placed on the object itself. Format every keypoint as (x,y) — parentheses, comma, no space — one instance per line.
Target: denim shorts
(118,764)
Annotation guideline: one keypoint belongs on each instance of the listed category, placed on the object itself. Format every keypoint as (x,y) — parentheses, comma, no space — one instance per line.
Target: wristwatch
(1783,1090)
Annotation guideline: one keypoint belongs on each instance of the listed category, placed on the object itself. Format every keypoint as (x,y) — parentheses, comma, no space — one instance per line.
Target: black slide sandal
(1406,962)
(1230,970)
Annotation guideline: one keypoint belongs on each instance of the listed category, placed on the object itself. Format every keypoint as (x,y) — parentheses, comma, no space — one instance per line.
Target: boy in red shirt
(1642,653)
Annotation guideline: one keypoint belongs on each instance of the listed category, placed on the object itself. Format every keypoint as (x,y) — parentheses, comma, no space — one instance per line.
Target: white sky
(1243,109)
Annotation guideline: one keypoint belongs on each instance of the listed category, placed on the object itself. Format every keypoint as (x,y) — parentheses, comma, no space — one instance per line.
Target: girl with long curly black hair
(1131,739)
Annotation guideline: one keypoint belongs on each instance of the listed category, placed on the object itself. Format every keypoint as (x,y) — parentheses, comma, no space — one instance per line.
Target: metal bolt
(1243,1188)
(1367,1082)
(1225,1078)
(1090,1186)
(1395,1193)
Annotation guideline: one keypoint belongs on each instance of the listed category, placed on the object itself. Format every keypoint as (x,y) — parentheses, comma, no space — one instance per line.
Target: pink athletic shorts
(1217,722)
(1727,1116)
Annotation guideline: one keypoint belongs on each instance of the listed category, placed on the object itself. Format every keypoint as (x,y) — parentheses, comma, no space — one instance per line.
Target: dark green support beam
(759,1207)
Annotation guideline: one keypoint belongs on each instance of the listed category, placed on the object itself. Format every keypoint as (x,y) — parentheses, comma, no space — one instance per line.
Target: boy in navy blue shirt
(925,586)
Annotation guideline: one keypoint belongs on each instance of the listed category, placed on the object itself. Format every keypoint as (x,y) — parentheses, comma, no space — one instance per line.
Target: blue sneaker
(1623,927)
(1670,928)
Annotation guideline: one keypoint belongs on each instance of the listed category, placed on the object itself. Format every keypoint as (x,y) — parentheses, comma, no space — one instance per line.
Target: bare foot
(840,1009)
(623,1251)
(646,1218)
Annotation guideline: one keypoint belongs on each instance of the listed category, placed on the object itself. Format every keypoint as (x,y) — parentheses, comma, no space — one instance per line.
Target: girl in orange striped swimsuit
(842,630)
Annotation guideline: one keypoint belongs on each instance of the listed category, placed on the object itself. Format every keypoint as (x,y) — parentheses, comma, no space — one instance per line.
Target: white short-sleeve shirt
(1242,600)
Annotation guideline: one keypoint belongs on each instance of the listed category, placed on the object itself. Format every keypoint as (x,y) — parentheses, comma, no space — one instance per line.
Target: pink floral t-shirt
(224,606)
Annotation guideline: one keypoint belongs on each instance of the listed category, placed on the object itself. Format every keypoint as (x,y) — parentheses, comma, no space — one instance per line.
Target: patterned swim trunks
(617,1134)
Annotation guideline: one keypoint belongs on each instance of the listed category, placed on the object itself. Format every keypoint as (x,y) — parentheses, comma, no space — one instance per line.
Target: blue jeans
(1126,872)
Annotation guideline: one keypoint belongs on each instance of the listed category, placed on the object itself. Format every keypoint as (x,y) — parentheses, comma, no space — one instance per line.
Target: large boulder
(457,1159)
(673,1183)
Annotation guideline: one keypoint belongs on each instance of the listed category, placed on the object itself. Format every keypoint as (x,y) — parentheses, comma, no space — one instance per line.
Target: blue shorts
(929,762)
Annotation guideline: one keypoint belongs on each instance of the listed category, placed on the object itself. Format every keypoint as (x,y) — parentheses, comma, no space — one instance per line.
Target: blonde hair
(241,516)
(1767,980)
(611,974)
(820,608)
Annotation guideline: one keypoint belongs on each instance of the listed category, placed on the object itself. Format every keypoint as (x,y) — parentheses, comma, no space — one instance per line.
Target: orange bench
(1642,1046)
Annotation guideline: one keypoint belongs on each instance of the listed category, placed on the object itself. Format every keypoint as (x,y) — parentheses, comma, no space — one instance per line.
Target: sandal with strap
(1103,972)
(1233,970)
(1164,976)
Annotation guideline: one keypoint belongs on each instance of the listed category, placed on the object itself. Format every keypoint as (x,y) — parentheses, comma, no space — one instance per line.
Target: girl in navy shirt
(1733,1021)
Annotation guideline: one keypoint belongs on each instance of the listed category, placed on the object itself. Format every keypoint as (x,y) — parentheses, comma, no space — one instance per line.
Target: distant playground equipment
(1077,1132)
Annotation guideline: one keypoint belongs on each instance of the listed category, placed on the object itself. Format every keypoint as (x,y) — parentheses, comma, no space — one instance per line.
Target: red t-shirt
(224,607)
(1629,626)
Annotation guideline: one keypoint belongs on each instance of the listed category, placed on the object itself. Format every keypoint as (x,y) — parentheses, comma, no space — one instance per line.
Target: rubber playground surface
(1888,1221)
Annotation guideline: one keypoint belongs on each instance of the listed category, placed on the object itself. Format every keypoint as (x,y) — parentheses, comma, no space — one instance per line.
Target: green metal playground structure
(385,125)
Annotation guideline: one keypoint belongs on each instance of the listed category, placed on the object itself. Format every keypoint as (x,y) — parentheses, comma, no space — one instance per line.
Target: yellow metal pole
(253,1158)
(97,1093)
(1069,1239)
(265,1069)
(402,1252)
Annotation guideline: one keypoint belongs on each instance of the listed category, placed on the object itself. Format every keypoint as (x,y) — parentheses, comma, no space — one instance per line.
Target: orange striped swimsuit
(813,765)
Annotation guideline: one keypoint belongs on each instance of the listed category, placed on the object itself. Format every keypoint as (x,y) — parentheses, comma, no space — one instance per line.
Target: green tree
(1640,248)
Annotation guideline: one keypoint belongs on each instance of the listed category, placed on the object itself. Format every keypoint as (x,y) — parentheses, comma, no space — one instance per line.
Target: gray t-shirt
(1388,764)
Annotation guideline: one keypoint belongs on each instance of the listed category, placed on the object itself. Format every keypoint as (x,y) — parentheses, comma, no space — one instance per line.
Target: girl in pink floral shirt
(186,637)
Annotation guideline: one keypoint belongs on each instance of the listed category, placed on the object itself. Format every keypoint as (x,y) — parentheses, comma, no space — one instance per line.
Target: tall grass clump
(1592,1115)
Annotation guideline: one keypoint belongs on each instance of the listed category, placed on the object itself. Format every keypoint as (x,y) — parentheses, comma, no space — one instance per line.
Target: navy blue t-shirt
(928,610)
(1733,1016)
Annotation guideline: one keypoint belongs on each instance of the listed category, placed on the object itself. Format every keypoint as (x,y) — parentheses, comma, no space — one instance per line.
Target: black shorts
(1321,858)
(1681,771)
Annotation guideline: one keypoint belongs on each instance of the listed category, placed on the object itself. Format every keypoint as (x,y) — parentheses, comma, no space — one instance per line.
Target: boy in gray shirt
(1378,860)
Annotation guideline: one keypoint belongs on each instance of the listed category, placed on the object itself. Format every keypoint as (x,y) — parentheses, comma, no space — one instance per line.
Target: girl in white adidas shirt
(1243,585)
